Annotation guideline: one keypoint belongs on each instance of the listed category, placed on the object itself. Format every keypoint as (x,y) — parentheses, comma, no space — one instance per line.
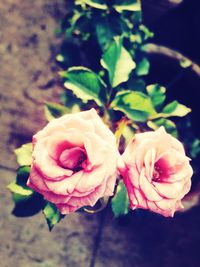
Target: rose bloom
(74,161)
(156,172)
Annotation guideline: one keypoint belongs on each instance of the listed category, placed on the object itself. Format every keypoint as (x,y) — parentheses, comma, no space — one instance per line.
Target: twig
(168,52)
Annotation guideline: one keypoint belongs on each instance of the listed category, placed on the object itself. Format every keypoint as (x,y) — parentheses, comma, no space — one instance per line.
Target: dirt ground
(27,79)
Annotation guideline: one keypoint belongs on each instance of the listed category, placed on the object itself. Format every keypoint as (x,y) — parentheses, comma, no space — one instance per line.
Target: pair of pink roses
(76,162)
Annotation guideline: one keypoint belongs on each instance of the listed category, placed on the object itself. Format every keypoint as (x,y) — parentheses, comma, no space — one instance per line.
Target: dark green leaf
(137,85)
(22,175)
(85,84)
(120,202)
(28,207)
(52,215)
(195,148)
(169,125)
(24,154)
(53,110)
(136,105)
(118,62)
(104,34)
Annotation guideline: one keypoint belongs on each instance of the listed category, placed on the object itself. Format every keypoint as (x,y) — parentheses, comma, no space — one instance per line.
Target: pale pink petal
(148,188)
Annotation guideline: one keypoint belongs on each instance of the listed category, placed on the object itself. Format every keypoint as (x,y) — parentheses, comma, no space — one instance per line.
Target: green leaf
(24,154)
(85,84)
(120,202)
(142,67)
(127,5)
(157,94)
(136,105)
(104,34)
(52,215)
(15,188)
(169,125)
(118,62)
(176,109)
(53,110)
(173,109)
(195,148)
(20,191)
(99,4)
(135,84)
(185,63)
(22,175)
(28,206)
(146,32)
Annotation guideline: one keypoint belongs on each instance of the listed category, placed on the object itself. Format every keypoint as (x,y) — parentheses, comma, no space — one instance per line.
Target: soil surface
(27,79)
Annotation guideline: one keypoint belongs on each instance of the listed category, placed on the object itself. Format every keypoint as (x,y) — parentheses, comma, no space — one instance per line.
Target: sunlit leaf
(15,188)
(127,5)
(52,215)
(24,154)
(118,62)
(176,109)
(173,109)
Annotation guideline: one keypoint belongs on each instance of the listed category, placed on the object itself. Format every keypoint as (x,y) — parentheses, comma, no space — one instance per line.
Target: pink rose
(157,173)
(74,161)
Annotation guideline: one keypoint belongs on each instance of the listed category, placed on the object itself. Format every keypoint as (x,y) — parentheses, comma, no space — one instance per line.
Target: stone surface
(27,241)
(28,71)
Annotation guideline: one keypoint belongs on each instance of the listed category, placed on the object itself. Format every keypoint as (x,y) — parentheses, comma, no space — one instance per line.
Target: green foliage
(173,109)
(20,193)
(53,110)
(104,66)
(157,94)
(18,188)
(27,202)
(24,154)
(136,106)
(99,4)
(195,148)
(118,62)
(142,67)
(120,202)
(85,84)
(169,125)
(52,215)
(127,5)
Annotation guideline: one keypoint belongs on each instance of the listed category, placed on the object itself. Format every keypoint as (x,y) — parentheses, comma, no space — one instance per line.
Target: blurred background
(28,78)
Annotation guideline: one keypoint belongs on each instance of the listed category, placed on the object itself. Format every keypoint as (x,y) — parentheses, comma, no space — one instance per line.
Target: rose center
(157,174)
(73,159)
